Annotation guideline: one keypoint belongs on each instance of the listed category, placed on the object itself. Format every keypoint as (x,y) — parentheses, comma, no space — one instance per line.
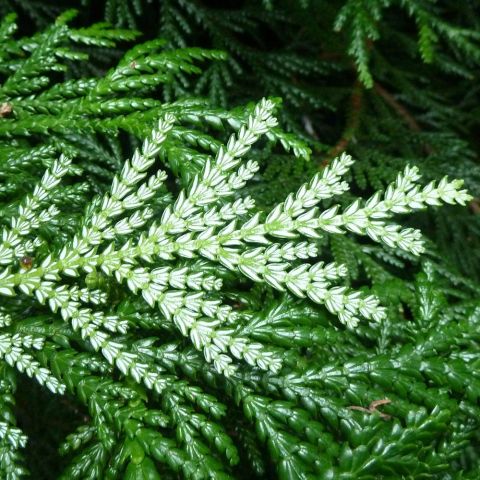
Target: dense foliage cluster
(241,246)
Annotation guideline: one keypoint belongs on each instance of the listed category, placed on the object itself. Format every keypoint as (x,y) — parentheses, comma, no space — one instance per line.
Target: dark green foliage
(80,116)
(390,81)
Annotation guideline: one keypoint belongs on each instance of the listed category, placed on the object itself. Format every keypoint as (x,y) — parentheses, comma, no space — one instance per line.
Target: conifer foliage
(392,81)
(202,321)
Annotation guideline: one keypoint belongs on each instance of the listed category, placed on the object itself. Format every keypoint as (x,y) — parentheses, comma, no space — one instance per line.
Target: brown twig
(398,107)
(353,122)
(353,115)
(401,110)
(5,109)
(475,206)
(373,408)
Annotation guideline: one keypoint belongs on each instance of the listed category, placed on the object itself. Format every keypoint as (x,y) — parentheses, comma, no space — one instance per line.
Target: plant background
(426,113)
